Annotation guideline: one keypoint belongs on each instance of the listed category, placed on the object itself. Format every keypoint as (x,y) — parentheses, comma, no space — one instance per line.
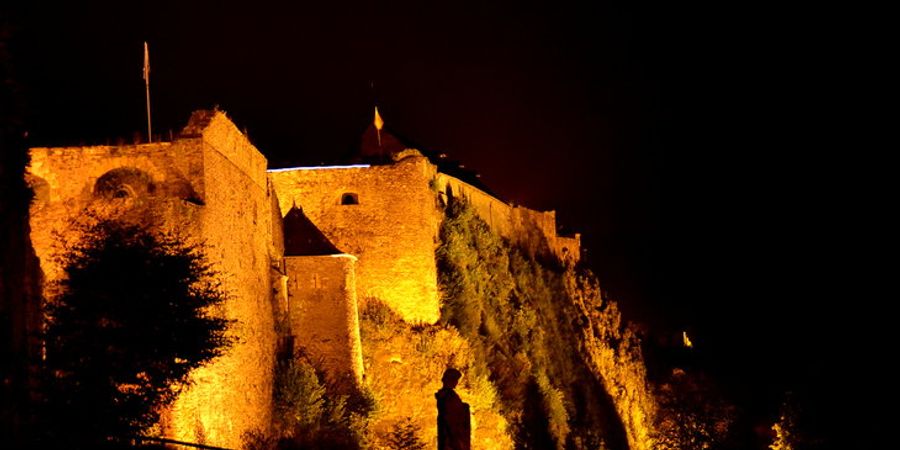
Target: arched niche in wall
(124,183)
(349,198)
(181,188)
(40,189)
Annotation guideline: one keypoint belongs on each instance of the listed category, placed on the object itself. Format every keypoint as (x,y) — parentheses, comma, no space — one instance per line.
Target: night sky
(688,143)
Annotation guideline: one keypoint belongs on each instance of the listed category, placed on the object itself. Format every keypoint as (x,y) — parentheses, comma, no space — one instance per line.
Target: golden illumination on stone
(211,185)
(686,340)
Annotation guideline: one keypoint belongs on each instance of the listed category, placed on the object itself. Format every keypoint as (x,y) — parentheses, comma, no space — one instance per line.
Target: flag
(146,63)
(379,124)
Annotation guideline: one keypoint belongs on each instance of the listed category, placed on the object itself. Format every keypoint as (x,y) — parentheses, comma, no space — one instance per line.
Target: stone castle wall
(233,394)
(323,317)
(534,230)
(210,185)
(65,180)
(392,229)
(192,187)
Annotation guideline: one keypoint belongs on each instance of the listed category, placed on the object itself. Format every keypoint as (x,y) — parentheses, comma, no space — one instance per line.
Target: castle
(301,249)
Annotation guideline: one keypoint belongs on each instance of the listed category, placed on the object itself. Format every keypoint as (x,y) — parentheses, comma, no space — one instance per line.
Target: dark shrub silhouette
(134,315)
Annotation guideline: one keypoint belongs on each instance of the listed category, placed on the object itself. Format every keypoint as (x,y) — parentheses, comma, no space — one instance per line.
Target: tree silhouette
(133,316)
(404,435)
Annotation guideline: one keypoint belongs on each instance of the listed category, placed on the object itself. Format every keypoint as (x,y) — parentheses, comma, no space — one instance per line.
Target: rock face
(613,351)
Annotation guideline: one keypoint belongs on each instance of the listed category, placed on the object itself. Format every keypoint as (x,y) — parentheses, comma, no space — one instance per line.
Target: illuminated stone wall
(64,181)
(210,186)
(233,394)
(533,230)
(391,230)
(322,312)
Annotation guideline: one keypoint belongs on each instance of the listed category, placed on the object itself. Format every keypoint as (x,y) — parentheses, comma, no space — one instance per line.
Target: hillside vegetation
(568,372)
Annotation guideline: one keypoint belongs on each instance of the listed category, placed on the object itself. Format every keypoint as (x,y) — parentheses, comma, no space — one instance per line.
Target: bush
(311,414)
(404,435)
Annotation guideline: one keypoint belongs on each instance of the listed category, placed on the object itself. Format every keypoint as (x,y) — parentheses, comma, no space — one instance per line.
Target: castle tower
(322,309)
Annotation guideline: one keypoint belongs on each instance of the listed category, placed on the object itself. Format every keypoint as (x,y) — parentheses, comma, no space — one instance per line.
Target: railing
(139,440)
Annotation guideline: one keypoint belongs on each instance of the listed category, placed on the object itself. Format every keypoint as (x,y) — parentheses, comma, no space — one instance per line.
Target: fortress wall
(392,231)
(64,180)
(276,226)
(322,311)
(220,133)
(277,269)
(496,213)
(569,247)
(208,186)
(233,393)
(534,230)
(70,172)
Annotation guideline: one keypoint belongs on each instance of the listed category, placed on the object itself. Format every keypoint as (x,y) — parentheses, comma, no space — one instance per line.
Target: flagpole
(147,88)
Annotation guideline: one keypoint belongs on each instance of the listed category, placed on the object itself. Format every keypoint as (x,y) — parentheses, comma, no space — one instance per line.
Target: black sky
(686,141)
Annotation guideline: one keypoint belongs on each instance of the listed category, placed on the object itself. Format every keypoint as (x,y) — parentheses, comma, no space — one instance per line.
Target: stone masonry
(365,231)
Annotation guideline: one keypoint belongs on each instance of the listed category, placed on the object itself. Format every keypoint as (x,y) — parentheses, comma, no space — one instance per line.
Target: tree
(693,414)
(134,315)
(18,265)
(310,413)
(405,436)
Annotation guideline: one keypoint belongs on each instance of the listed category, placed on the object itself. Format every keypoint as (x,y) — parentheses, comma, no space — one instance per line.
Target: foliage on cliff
(404,363)
(613,350)
(310,413)
(396,408)
(535,325)
(133,317)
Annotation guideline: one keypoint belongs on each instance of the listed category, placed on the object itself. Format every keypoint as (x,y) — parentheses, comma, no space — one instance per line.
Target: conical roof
(303,238)
(371,149)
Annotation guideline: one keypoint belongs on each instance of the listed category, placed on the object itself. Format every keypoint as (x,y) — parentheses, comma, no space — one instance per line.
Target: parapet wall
(534,230)
(390,225)
(322,314)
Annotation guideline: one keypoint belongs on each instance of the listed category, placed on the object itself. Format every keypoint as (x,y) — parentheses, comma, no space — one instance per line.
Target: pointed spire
(379,124)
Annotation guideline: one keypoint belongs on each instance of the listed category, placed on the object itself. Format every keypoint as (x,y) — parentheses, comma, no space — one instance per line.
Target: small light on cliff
(687,340)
